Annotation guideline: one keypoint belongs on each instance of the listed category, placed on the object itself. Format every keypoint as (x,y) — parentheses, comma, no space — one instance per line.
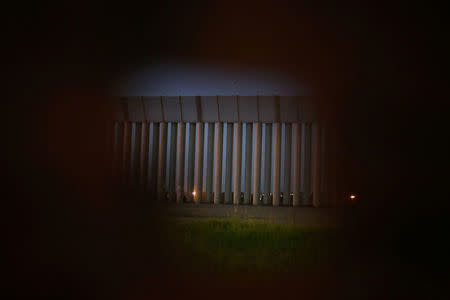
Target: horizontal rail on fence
(215,108)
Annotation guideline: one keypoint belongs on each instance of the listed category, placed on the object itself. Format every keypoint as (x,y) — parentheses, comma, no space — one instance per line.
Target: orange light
(193,194)
(353,197)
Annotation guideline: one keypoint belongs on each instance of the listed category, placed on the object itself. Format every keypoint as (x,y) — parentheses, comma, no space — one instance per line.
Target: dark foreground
(139,252)
(234,246)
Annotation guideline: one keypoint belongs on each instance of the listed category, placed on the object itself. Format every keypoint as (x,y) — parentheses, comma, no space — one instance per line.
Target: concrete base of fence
(301,216)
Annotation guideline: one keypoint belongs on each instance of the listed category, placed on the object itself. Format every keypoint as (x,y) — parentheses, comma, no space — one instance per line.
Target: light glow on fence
(187,78)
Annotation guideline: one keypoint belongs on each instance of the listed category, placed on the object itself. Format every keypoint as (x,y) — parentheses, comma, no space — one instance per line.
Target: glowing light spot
(352,196)
(193,194)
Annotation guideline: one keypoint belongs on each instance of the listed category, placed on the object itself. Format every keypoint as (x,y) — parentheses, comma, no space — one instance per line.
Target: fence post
(218,164)
(316,149)
(172,161)
(306,178)
(181,132)
(198,178)
(237,162)
(248,163)
(267,162)
(190,162)
(162,160)
(276,163)
(257,164)
(209,162)
(297,159)
(287,163)
(228,163)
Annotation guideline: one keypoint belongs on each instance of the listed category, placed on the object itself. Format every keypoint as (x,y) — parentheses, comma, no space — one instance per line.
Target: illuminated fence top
(215,109)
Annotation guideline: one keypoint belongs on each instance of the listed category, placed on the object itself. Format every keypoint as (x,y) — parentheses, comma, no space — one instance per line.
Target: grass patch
(234,245)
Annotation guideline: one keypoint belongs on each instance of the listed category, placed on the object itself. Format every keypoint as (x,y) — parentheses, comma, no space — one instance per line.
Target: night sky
(376,70)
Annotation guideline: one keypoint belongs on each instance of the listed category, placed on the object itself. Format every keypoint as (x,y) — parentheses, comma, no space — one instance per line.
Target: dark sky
(378,70)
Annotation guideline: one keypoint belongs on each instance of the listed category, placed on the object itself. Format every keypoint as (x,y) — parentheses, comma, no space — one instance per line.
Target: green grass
(232,245)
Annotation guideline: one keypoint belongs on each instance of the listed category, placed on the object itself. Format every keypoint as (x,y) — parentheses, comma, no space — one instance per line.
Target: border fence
(241,150)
